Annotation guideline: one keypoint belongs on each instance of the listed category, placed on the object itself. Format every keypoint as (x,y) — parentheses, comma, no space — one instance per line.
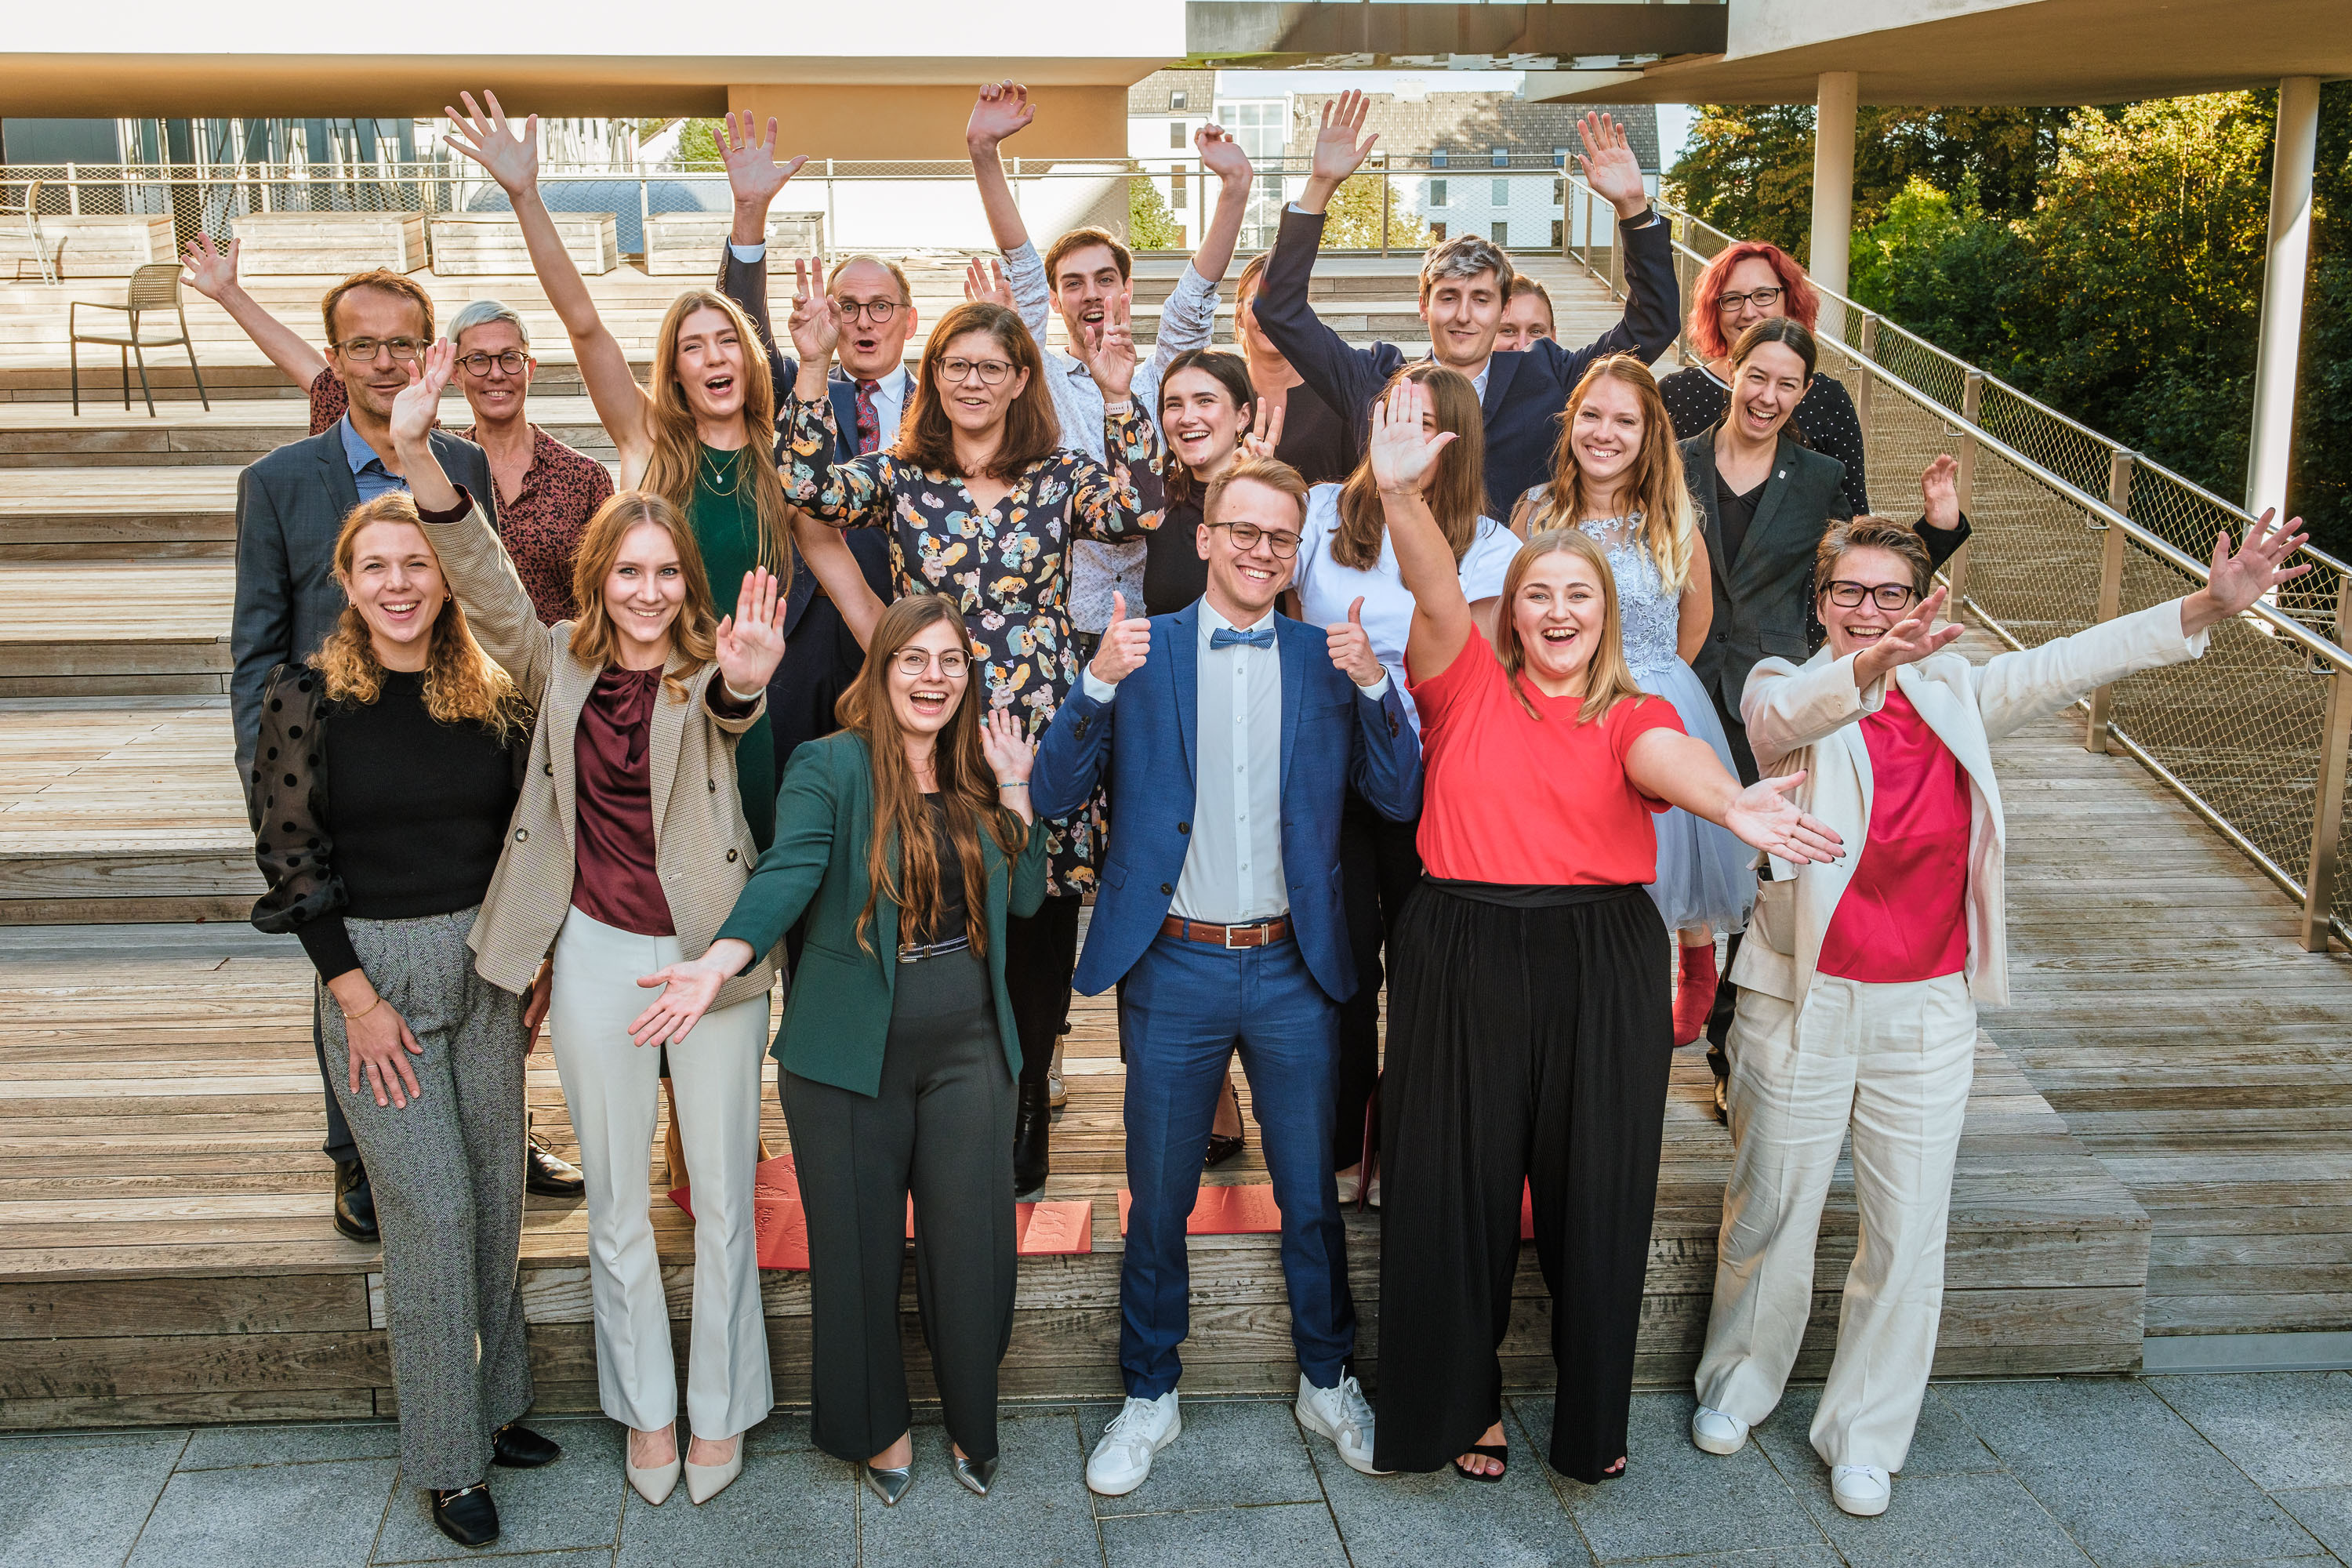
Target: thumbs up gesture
(1351,647)
(1125,645)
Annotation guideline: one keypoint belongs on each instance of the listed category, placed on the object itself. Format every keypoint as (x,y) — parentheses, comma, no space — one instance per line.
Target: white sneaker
(1860,1489)
(1715,1432)
(1342,1414)
(1123,1458)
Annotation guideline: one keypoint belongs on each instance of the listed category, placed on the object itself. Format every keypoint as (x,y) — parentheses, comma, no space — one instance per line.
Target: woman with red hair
(1747,283)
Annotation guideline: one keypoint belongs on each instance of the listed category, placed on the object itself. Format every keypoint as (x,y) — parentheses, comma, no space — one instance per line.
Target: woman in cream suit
(1860,980)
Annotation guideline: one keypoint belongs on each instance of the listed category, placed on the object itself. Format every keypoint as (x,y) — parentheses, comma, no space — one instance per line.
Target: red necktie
(869,424)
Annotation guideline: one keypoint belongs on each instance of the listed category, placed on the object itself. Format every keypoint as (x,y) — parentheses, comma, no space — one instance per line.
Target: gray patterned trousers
(447,1171)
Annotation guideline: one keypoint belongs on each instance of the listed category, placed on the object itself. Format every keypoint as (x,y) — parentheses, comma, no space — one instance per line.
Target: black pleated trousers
(1529,1032)
(1041,951)
(941,1129)
(1380,865)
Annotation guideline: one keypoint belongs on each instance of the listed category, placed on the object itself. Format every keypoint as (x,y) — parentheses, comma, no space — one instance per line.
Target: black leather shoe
(550,1175)
(520,1449)
(466,1516)
(354,1202)
(1032,1124)
(1222,1149)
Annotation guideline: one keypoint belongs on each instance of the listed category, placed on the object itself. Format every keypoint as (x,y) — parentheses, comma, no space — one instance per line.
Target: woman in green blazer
(905,838)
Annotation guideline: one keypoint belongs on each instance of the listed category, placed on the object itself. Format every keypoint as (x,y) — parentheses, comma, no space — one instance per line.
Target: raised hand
(1003,109)
(1939,492)
(2235,581)
(417,408)
(211,272)
(511,160)
(1107,350)
(1338,153)
(1404,455)
(751,640)
(1126,644)
(1351,647)
(1264,434)
(1764,817)
(1220,154)
(1609,166)
(816,323)
(1005,743)
(984,283)
(753,173)
(1907,641)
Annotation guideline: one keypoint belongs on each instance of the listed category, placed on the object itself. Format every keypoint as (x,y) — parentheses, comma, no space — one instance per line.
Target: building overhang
(1377,34)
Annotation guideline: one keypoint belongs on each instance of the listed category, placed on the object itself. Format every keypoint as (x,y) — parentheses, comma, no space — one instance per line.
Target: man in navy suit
(1230,737)
(1465,284)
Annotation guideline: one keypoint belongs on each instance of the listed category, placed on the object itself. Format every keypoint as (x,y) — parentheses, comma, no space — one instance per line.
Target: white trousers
(1892,1063)
(613,1087)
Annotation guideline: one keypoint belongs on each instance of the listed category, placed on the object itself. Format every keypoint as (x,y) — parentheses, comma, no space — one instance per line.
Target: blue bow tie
(1226,637)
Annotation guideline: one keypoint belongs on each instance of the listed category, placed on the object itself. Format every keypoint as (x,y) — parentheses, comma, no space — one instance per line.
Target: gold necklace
(709,476)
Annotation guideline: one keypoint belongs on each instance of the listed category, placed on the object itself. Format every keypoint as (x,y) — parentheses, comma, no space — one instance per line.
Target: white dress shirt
(1186,321)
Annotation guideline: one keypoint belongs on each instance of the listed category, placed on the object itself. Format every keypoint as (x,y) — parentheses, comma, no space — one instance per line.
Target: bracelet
(355,1018)
(1013,783)
(747,698)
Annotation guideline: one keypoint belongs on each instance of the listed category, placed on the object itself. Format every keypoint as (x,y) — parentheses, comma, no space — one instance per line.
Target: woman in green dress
(699,437)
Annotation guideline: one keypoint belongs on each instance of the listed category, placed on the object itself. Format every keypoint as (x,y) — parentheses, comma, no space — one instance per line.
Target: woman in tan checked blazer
(627,849)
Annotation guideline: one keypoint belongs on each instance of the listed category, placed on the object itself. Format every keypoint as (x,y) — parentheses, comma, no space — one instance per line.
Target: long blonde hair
(675,466)
(1660,495)
(1456,493)
(901,862)
(462,683)
(693,636)
(1608,680)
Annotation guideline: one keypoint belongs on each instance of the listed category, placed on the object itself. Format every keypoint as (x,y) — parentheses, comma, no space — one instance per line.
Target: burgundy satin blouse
(615,881)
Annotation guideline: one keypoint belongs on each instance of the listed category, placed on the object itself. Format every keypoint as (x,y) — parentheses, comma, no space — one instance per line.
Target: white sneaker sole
(1709,1445)
(1175,1430)
(1861,1508)
(1316,1424)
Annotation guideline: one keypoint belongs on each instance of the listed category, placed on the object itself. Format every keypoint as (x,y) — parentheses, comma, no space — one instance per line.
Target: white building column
(2285,262)
(1833,239)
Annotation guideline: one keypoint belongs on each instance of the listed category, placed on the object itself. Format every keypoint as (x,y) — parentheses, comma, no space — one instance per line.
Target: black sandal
(1501,1451)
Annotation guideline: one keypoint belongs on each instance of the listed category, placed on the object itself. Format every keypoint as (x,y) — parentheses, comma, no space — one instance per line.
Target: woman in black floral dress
(982,506)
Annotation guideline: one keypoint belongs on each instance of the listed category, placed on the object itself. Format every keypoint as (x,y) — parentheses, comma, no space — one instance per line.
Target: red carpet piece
(1223,1211)
(1526,1212)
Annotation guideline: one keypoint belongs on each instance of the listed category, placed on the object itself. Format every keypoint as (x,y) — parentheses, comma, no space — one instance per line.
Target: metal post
(1832,226)
(1616,259)
(1957,568)
(1866,365)
(2111,586)
(1384,207)
(2336,745)
(645,222)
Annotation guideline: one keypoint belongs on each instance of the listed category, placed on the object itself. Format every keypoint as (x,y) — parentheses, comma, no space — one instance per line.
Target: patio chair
(28,218)
(154,288)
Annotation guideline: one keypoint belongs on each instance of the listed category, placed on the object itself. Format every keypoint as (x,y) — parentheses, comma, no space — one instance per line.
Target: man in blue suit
(1230,736)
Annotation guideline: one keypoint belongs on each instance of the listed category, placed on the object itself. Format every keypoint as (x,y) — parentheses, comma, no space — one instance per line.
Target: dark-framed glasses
(875,311)
(1245,536)
(916,662)
(991,372)
(478,364)
(1888,596)
(365,350)
(1763,299)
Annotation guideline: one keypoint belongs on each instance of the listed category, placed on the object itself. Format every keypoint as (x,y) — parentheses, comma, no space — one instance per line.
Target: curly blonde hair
(462,683)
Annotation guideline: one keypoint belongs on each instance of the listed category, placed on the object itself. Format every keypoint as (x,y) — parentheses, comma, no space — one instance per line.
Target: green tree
(1939,265)
(698,142)
(1150,224)
(1352,221)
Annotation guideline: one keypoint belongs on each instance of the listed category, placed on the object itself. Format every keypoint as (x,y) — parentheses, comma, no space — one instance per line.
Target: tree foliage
(1150,224)
(1352,221)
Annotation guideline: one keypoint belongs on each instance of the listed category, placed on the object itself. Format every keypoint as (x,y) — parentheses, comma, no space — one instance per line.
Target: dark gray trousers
(941,1127)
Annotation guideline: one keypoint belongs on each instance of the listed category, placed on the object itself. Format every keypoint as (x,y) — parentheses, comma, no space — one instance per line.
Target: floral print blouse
(1008,566)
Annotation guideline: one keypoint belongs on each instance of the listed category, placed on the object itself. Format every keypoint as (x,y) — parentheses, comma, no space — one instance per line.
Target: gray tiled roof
(1150,96)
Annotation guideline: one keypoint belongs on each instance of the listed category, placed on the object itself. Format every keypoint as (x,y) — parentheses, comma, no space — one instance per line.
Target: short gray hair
(481,313)
(1466,256)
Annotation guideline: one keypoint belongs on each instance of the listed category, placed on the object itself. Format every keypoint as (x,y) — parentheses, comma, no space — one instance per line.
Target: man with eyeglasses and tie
(1229,737)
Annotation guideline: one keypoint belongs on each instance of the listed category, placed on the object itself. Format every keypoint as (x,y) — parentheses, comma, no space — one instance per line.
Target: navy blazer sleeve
(1072,756)
(1653,308)
(1346,379)
(261,633)
(1386,766)
(746,284)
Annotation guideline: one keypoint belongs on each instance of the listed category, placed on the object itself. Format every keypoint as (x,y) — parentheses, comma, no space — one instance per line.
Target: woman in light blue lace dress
(1617,475)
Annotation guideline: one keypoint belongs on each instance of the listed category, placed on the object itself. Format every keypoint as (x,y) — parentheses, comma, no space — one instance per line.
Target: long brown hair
(900,860)
(1660,493)
(462,683)
(693,636)
(1607,680)
(1457,494)
(1032,428)
(1229,370)
(674,468)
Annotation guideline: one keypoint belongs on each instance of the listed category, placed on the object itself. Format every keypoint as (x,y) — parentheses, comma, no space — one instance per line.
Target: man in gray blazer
(289,508)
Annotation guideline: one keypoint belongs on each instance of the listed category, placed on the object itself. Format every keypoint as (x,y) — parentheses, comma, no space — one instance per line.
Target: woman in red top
(1529,1036)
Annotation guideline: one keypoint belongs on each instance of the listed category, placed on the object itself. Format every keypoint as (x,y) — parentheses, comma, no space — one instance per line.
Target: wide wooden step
(113,629)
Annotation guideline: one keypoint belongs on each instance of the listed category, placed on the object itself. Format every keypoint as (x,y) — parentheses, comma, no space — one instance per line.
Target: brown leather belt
(1265,933)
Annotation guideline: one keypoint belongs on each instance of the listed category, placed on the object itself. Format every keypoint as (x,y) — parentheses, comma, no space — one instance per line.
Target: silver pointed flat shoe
(889,1485)
(977,1475)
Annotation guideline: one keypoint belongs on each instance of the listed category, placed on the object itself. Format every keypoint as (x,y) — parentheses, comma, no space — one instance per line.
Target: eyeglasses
(1889,596)
(875,311)
(478,364)
(1245,536)
(1765,299)
(365,350)
(914,662)
(991,372)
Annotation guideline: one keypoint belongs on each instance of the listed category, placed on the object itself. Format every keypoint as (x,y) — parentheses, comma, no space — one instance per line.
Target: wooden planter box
(680,245)
(87,247)
(480,244)
(291,243)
